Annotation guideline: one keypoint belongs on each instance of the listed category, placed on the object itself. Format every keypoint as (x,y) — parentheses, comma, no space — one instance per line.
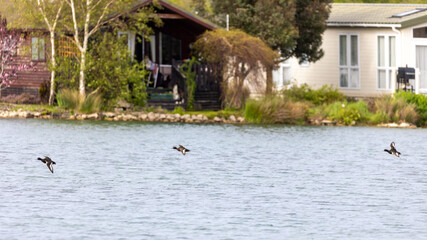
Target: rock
(65,115)
(395,125)
(232,118)
(109,114)
(92,116)
(328,122)
(217,119)
(25,114)
(407,125)
(128,117)
(37,114)
(151,116)
(185,117)
(143,117)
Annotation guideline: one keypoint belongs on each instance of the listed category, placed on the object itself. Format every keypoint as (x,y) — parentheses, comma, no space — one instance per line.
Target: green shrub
(325,94)
(420,101)
(178,110)
(275,109)
(109,69)
(190,74)
(348,112)
(394,109)
(71,99)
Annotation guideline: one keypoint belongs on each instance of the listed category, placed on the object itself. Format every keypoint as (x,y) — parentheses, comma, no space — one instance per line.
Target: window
(286,72)
(349,61)
(421,64)
(37,48)
(170,48)
(420,32)
(386,61)
(407,13)
(303,62)
(128,39)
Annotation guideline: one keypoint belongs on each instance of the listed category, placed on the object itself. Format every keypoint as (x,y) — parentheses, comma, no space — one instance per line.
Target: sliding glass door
(421,64)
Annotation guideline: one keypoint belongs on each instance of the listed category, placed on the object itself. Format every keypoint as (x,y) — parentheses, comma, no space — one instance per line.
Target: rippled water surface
(123,181)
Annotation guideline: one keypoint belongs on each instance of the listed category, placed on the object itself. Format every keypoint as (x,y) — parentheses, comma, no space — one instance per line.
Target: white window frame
(422,42)
(287,64)
(38,51)
(387,69)
(131,41)
(348,66)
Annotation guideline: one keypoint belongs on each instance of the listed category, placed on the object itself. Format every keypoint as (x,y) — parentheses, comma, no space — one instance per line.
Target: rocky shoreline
(132,116)
(161,117)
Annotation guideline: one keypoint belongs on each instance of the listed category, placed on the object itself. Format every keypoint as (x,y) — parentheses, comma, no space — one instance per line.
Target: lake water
(122,180)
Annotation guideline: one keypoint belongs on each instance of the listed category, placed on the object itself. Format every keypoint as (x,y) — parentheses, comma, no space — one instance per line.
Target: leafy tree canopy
(294,27)
(240,54)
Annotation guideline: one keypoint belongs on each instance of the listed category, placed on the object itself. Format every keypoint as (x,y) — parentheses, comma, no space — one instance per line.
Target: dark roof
(174,8)
(10,11)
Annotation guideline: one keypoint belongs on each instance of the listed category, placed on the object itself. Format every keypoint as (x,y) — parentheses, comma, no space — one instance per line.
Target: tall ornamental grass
(420,101)
(275,109)
(394,109)
(72,100)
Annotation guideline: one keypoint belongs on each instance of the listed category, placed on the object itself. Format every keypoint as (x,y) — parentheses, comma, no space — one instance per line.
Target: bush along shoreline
(327,106)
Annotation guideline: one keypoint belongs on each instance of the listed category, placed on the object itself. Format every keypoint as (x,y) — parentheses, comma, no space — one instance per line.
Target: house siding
(28,81)
(326,70)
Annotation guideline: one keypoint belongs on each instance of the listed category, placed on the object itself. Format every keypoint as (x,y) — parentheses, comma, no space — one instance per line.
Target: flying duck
(181,149)
(48,162)
(393,150)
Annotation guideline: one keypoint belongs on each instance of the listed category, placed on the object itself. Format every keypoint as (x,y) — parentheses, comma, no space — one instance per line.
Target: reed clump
(389,108)
(275,109)
(72,100)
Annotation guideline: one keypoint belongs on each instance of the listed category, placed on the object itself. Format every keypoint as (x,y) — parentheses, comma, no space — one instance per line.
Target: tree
(293,27)
(10,40)
(241,53)
(50,12)
(86,18)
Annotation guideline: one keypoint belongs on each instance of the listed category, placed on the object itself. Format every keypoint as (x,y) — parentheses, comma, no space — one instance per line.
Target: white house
(364,45)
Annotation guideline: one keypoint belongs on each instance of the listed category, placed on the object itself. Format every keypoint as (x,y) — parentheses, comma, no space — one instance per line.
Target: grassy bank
(303,104)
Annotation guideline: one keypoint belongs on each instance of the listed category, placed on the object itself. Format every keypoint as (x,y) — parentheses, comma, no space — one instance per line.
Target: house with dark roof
(370,49)
(166,49)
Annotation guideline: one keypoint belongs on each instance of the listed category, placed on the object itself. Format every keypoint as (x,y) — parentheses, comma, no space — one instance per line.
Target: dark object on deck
(48,162)
(393,150)
(406,78)
(181,149)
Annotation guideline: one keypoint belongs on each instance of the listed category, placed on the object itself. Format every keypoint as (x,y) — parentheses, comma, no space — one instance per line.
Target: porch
(167,88)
